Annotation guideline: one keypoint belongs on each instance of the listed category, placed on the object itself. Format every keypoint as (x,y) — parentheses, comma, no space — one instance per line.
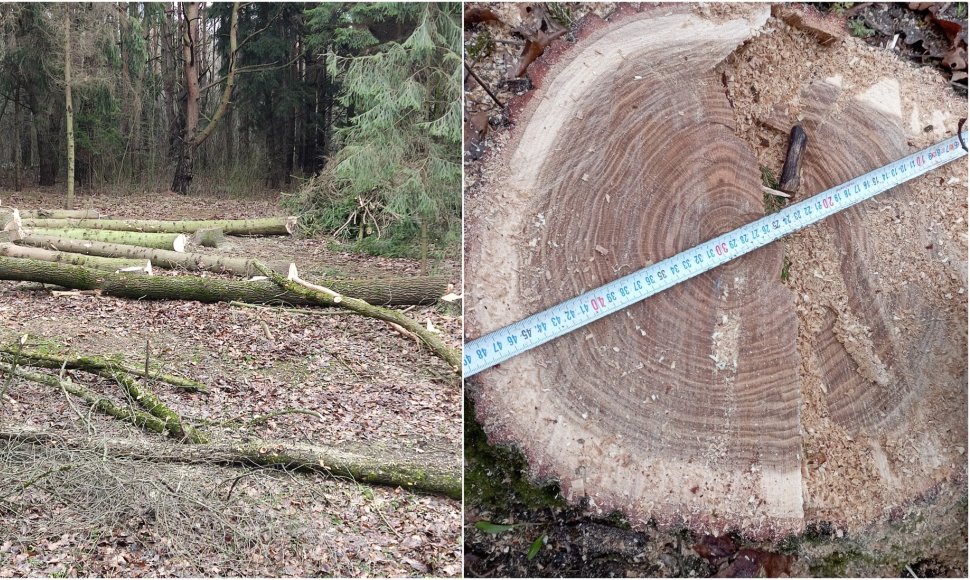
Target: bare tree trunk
(18,180)
(191,136)
(69,203)
(190,38)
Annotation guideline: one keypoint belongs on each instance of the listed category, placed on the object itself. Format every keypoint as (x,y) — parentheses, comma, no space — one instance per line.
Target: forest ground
(88,515)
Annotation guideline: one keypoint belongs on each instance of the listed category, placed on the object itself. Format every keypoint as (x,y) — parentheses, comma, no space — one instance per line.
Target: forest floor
(81,514)
(545,537)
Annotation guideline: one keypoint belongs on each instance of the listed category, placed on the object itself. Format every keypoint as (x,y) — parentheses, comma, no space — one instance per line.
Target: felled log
(208,237)
(10,222)
(161,241)
(332,296)
(98,365)
(135,417)
(161,258)
(272,226)
(60,213)
(184,287)
(107,264)
(372,463)
(383,291)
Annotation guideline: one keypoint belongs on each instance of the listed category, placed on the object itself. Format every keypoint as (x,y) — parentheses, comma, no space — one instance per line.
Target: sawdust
(852,475)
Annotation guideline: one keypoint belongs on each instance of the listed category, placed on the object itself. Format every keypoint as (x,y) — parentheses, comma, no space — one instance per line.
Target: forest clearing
(799,410)
(185,393)
(292,378)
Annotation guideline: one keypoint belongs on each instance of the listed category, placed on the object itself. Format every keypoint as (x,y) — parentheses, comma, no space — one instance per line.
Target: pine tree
(398,176)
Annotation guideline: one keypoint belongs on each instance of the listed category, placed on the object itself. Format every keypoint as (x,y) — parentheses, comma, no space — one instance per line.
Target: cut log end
(178,244)
(292,225)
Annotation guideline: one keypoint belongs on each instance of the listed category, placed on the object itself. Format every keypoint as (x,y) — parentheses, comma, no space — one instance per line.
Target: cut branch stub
(684,407)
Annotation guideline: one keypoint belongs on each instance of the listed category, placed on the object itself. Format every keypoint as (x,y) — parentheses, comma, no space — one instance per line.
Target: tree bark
(160,241)
(191,51)
(190,287)
(18,182)
(69,107)
(373,464)
(271,226)
(99,263)
(186,149)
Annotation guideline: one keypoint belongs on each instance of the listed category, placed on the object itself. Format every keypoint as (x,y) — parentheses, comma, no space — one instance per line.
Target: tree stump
(693,406)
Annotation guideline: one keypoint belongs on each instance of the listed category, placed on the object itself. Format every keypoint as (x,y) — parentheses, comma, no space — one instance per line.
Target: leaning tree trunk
(715,402)
(191,287)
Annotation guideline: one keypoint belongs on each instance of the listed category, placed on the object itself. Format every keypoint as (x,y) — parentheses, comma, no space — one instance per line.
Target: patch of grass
(857,28)
(497,476)
(785,274)
(772,203)
(836,564)
(481,47)
(839,8)
(561,13)
(960,11)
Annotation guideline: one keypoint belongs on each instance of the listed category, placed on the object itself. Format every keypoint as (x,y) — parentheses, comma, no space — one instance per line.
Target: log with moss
(138,418)
(108,264)
(332,296)
(383,291)
(181,287)
(271,226)
(161,241)
(435,473)
(100,365)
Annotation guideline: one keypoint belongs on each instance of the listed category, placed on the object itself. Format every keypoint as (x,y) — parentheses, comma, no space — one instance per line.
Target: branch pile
(138,405)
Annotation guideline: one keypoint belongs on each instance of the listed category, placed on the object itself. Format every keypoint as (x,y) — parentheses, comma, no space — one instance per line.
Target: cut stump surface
(690,407)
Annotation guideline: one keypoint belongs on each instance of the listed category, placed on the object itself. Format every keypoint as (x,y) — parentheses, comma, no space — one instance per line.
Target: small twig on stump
(770,191)
(791,171)
(482,84)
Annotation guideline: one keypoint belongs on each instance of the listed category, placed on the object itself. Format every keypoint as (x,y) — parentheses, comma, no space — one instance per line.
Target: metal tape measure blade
(514,339)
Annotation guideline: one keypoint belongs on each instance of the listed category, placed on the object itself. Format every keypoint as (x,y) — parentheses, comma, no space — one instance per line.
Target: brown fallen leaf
(539,30)
(714,548)
(477,15)
(955,31)
(751,563)
(956,58)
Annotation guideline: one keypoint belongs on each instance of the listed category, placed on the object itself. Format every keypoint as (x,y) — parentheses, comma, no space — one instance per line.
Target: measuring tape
(512,340)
